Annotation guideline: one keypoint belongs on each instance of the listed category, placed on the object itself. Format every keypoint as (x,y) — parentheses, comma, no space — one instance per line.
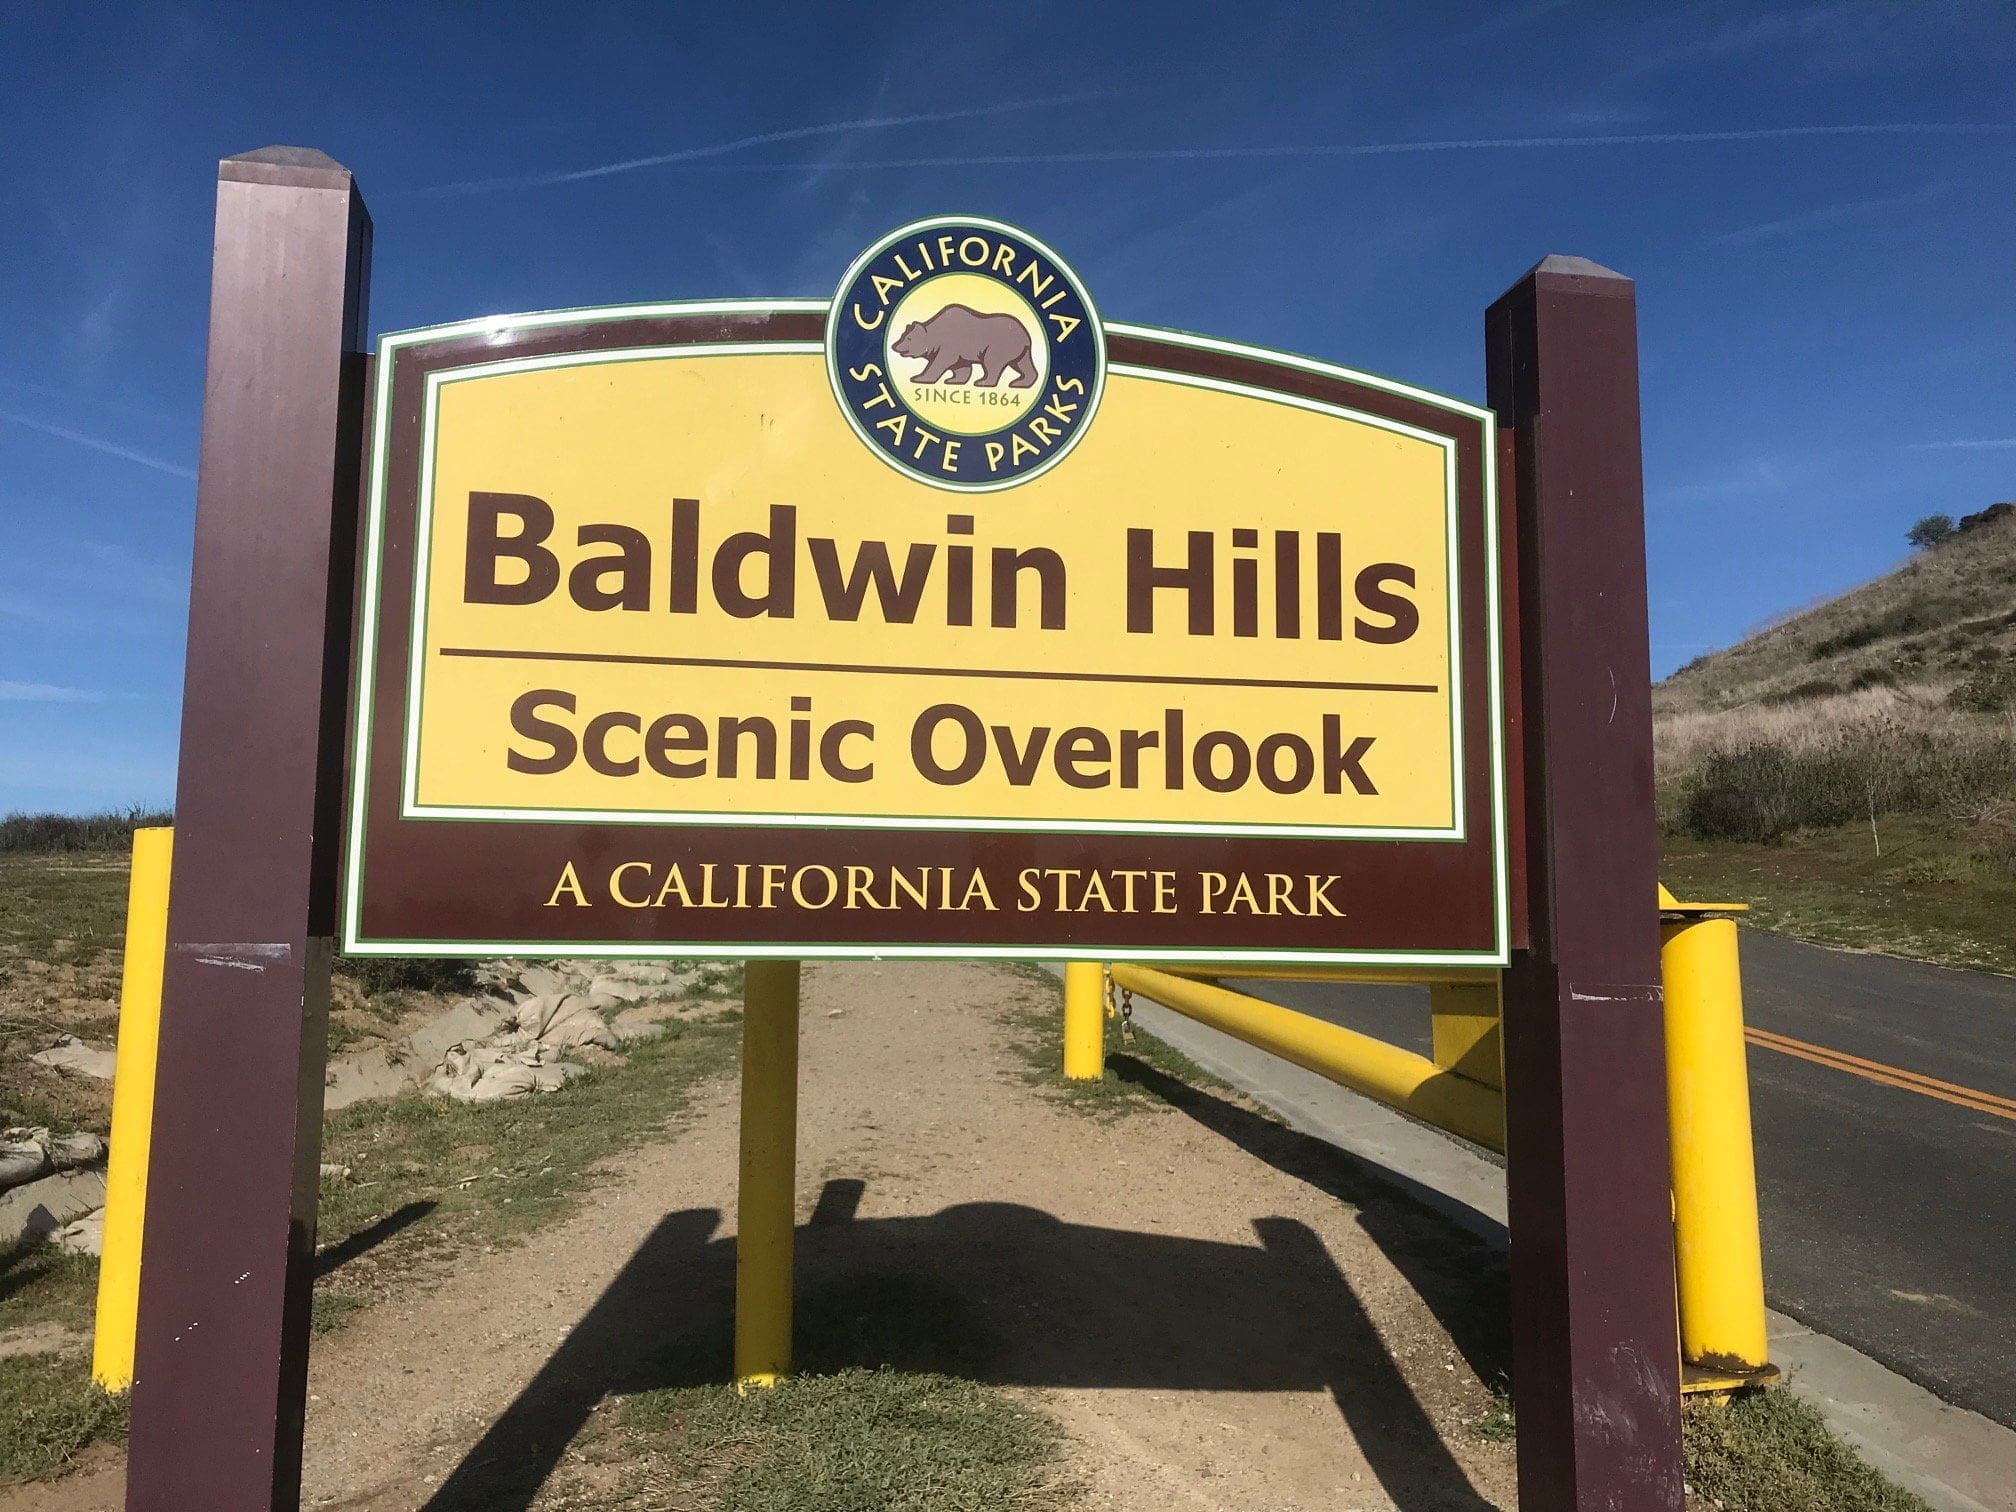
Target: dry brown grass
(1869,744)
(1896,698)
(1946,615)
(1836,758)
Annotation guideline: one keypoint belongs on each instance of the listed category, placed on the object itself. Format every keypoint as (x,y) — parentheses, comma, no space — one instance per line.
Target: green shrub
(1930,531)
(376,974)
(1902,620)
(1812,687)
(25,834)
(1762,791)
(1759,793)
(1989,689)
(1993,833)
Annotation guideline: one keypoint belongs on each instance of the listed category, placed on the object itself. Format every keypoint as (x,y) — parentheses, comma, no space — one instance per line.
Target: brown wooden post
(1595,1350)
(222,1355)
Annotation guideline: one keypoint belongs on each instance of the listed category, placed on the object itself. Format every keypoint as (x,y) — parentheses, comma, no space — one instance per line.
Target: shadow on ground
(336,1256)
(998,1293)
(1465,1280)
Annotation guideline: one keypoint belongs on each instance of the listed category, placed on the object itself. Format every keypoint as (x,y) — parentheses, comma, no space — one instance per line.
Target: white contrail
(1993,443)
(739,144)
(110,448)
(26,692)
(1383,149)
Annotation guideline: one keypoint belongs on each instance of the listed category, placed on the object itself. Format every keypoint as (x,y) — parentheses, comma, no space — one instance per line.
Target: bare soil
(1216,1326)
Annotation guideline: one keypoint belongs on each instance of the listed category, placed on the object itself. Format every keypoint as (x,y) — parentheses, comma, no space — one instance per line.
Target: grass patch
(53,1410)
(40,1283)
(430,1176)
(1767,1451)
(332,1309)
(1500,1422)
(1036,1038)
(50,1408)
(854,1441)
(1931,895)
(65,914)
(62,943)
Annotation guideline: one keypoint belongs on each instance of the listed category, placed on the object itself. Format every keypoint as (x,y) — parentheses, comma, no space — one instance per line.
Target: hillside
(1937,620)
(1851,768)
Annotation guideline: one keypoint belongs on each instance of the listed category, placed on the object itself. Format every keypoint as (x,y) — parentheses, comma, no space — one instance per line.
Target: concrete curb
(1958,1461)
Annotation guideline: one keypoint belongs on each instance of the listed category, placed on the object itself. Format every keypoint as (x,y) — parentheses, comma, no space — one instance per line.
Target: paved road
(1889,1213)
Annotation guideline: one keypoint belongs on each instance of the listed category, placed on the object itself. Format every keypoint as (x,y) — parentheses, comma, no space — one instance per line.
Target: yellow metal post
(1719,1256)
(1084,1020)
(1467,1037)
(132,1108)
(766,1217)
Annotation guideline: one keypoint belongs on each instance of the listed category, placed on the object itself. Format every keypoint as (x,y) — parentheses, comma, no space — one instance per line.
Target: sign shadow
(990,1292)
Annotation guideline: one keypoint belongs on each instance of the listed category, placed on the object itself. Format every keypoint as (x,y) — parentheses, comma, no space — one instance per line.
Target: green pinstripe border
(411,806)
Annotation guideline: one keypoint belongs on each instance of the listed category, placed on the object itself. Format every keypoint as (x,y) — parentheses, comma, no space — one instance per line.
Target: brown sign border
(1407,902)
(221,1363)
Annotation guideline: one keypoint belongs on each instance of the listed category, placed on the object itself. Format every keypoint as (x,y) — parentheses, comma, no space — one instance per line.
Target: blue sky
(1816,200)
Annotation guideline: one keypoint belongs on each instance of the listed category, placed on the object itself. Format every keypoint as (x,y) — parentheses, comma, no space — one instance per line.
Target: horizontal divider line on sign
(738,665)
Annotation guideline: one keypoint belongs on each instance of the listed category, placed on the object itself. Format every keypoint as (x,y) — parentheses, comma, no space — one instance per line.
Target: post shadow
(1461,1275)
(336,1256)
(990,1292)
(678,1286)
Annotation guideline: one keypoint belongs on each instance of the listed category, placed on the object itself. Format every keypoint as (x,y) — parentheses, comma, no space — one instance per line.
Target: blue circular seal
(965,353)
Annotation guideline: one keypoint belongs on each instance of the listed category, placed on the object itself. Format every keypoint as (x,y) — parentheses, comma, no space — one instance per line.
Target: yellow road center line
(1889,1076)
(1919,1078)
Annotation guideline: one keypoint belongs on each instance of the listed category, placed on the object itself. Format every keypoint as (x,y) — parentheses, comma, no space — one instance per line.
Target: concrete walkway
(1957,1460)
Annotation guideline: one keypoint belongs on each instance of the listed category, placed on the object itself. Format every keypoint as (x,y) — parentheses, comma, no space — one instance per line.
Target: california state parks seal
(965,353)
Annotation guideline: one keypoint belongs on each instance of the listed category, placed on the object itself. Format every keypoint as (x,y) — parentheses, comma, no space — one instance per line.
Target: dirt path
(1215,1332)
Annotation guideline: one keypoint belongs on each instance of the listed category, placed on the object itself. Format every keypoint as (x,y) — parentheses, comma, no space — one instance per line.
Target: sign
(937,619)
(673,634)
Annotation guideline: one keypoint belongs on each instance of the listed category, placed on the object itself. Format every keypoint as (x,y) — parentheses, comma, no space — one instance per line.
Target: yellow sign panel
(667,584)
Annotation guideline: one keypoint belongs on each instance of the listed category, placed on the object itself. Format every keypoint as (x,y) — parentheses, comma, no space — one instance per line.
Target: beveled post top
(294,167)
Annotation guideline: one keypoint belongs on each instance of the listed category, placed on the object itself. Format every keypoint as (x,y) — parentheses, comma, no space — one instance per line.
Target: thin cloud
(1510,18)
(1755,475)
(99,444)
(743,144)
(1992,443)
(27,692)
(1817,218)
(81,396)
(1384,149)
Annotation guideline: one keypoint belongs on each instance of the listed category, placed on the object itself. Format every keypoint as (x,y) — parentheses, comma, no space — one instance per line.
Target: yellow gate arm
(1412,1083)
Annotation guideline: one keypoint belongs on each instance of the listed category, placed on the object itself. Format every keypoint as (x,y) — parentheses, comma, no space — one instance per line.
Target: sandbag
(562,1021)
(71,1054)
(28,1154)
(486,1073)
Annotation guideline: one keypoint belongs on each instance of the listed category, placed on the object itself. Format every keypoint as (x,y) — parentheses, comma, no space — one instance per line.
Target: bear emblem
(957,339)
